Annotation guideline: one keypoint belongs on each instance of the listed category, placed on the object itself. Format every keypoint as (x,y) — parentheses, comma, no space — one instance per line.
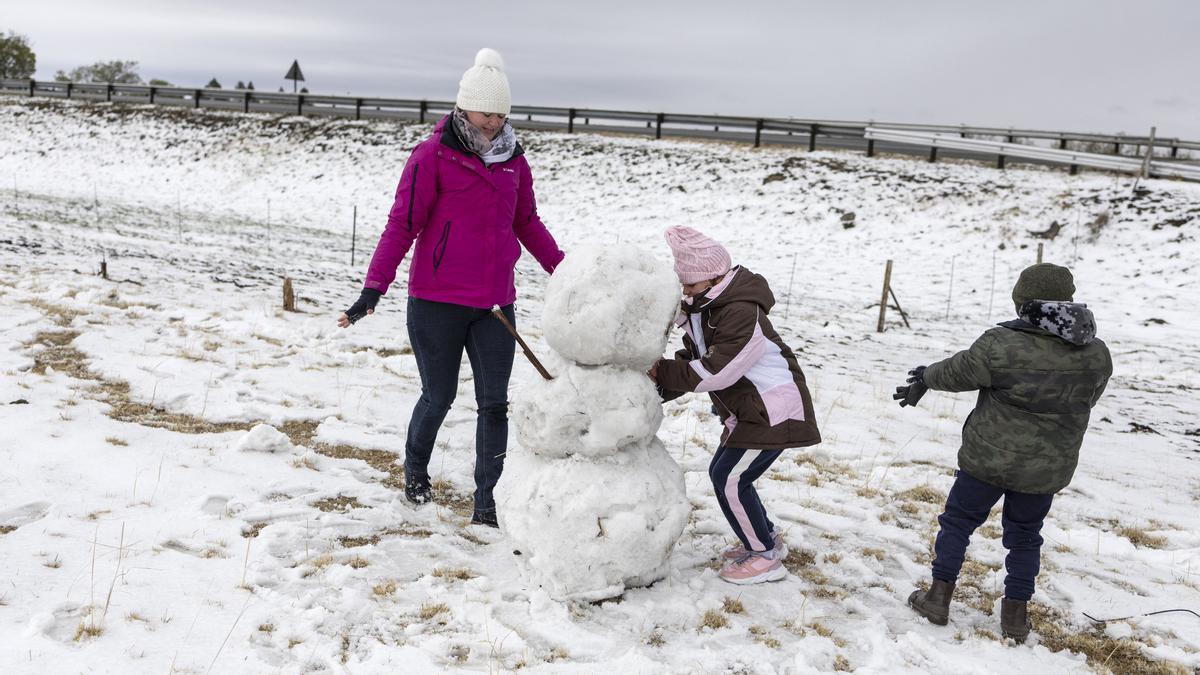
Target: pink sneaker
(753,569)
(781,549)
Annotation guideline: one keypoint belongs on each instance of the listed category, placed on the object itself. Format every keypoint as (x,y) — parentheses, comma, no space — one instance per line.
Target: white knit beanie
(484,87)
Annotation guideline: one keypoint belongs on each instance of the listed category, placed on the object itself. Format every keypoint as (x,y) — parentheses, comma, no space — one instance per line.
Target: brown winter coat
(732,352)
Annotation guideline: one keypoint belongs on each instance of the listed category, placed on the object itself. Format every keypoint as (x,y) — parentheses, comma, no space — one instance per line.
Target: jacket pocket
(746,406)
(439,249)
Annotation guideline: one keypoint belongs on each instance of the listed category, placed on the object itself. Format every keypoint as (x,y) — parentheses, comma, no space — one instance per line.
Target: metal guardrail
(839,134)
(1068,158)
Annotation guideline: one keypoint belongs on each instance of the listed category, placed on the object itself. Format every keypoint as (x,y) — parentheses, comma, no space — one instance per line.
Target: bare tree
(112,72)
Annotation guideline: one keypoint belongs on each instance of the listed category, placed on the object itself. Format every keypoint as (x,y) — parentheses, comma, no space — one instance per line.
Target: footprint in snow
(11,519)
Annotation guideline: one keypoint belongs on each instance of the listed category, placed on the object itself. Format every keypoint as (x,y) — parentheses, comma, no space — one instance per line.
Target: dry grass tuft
(357,562)
(113,440)
(384,588)
(430,610)
(266,628)
(61,315)
(733,606)
(124,409)
(5,529)
(841,664)
(798,558)
(876,553)
(656,639)
(713,619)
(458,574)
(762,636)
(924,494)
(559,654)
(1142,538)
(87,631)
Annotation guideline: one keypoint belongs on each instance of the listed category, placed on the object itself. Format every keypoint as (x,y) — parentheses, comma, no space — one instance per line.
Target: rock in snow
(592,499)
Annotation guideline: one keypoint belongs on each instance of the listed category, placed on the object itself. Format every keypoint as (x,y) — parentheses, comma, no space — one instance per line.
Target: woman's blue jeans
(438,333)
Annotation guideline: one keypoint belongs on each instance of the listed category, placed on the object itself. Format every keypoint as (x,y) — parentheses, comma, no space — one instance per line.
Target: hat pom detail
(489,58)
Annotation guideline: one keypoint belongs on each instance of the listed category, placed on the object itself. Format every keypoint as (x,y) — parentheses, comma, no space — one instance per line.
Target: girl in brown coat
(732,352)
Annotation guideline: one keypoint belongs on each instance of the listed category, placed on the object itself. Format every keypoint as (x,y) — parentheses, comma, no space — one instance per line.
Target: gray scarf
(498,149)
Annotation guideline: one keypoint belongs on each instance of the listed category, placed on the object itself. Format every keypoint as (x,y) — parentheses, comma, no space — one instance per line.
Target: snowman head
(610,305)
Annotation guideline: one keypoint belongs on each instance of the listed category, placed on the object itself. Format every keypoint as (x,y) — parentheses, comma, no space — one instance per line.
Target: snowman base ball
(589,528)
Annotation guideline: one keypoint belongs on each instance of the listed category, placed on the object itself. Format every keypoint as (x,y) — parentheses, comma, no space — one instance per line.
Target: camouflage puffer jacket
(1038,378)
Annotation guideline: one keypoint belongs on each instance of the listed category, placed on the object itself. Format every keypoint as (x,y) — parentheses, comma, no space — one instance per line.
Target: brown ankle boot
(1014,619)
(933,604)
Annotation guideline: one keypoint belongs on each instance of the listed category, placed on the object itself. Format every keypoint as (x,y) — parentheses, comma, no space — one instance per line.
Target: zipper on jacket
(439,250)
(412,194)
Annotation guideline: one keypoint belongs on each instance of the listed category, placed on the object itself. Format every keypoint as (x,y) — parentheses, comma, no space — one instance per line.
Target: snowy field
(143,528)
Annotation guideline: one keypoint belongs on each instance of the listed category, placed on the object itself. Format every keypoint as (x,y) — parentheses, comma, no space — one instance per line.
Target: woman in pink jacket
(466,198)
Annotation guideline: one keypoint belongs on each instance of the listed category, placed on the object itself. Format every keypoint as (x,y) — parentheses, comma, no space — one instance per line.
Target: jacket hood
(1072,322)
(739,285)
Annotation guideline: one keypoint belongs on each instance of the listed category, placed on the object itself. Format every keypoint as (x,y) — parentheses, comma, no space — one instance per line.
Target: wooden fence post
(883,300)
(289,295)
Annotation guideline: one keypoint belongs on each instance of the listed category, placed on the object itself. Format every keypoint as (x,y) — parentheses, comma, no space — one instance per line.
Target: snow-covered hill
(144,528)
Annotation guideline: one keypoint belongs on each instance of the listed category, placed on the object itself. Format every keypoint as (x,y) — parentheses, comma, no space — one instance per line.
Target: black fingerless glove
(366,301)
(915,390)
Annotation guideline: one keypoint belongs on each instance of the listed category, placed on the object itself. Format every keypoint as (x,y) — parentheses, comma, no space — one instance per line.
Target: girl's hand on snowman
(653,372)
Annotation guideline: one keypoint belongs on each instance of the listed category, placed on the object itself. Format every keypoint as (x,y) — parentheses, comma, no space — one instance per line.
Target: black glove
(366,301)
(915,390)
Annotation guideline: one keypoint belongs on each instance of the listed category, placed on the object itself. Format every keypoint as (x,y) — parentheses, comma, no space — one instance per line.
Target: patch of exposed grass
(54,563)
(61,315)
(832,558)
(841,664)
(357,562)
(798,558)
(559,654)
(266,628)
(713,619)
(1142,538)
(124,409)
(5,529)
(655,638)
(339,504)
(430,610)
(924,494)
(113,440)
(87,630)
(762,636)
(1102,651)
(57,353)
(733,606)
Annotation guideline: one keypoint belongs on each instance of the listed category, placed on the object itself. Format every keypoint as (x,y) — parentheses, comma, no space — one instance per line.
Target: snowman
(591,499)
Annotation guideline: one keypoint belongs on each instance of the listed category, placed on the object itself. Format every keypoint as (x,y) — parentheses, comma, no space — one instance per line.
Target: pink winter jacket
(469,222)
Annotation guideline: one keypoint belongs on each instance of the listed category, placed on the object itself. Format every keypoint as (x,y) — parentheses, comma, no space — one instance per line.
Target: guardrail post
(1117,148)
(358,108)
(999,161)
(299,104)
(1062,144)
(32,83)
(933,153)
(758,127)
(1074,169)
(70,85)
(570,120)
(246,101)
(424,108)
(871,147)
(658,126)
(153,91)
(812,138)
(196,94)
(108,92)
(1174,151)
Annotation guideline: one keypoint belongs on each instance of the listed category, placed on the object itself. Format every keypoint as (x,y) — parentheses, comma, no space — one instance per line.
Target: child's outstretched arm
(965,371)
(737,344)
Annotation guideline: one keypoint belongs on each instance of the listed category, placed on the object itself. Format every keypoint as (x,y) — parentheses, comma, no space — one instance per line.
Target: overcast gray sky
(1084,65)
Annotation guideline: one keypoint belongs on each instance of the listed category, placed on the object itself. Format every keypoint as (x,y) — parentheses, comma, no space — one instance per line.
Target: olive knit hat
(1044,281)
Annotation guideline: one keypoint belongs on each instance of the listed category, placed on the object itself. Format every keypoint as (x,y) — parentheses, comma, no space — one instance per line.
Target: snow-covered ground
(144,528)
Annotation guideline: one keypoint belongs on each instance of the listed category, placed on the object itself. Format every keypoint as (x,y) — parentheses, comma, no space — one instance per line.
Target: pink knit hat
(696,256)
